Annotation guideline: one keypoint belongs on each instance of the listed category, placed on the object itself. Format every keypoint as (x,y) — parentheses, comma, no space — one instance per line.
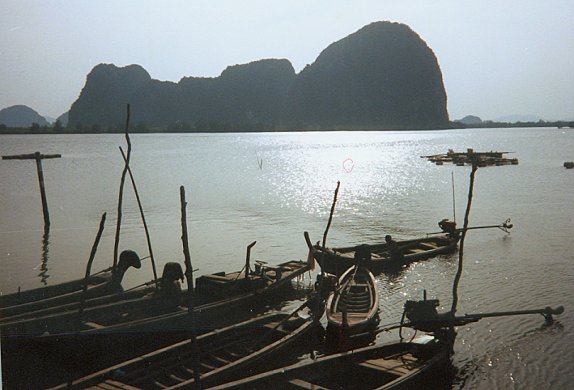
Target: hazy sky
(497,57)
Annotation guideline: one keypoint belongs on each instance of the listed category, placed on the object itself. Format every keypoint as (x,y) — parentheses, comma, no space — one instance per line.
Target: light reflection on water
(388,190)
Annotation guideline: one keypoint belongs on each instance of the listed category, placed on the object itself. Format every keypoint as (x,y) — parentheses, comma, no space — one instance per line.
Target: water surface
(270,187)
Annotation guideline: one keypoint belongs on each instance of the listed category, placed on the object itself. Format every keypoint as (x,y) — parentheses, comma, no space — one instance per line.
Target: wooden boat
(222,355)
(102,283)
(353,307)
(157,310)
(402,365)
(105,334)
(409,364)
(383,259)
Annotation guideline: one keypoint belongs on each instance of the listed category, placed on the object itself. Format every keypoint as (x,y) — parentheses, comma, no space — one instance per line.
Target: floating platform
(465,158)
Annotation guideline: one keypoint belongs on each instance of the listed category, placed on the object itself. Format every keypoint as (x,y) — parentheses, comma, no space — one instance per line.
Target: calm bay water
(386,188)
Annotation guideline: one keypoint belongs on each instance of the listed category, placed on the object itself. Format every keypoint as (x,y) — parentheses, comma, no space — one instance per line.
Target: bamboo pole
(121,194)
(85,287)
(89,268)
(463,236)
(320,286)
(189,277)
(453,197)
(143,219)
(331,214)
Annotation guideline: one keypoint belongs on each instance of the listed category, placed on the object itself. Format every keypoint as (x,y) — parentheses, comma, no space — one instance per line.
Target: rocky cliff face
(250,93)
(383,76)
(107,91)
(21,116)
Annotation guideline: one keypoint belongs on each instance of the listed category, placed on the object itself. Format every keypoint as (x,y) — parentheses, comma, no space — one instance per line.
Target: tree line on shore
(227,127)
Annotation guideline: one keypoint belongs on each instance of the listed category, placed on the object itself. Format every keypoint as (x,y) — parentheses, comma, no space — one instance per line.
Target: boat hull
(223,354)
(111,332)
(352,309)
(402,365)
(338,260)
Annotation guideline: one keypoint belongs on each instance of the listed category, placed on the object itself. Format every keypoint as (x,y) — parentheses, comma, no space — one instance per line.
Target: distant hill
(63,119)
(252,93)
(21,116)
(470,120)
(382,76)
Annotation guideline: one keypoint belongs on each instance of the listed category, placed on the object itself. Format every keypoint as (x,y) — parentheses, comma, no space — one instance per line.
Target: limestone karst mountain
(383,76)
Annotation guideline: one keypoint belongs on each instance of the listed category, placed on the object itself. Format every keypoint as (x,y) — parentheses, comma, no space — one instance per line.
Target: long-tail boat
(157,310)
(102,335)
(219,356)
(105,282)
(400,365)
(352,308)
(403,365)
(385,257)
(392,255)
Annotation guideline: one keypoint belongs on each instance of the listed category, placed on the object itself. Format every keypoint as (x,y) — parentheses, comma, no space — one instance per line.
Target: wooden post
(38,157)
(320,286)
(248,258)
(189,277)
(331,215)
(121,194)
(463,236)
(89,268)
(78,345)
(143,220)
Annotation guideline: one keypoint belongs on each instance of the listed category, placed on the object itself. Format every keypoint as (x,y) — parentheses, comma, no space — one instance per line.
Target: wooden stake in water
(143,219)
(189,277)
(331,214)
(463,236)
(453,197)
(38,157)
(121,194)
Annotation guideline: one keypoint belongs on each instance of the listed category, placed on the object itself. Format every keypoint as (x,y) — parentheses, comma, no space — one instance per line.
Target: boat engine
(325,284)
(422,315)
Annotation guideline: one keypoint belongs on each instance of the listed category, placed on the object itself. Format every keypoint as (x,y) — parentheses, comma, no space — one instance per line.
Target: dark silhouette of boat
(383,258)
(352,308)
(220,356)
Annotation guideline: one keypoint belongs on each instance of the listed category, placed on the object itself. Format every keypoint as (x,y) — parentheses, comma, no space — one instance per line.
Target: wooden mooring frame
(38,157)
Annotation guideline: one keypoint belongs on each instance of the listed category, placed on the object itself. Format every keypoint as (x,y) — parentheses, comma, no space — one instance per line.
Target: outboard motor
(170,285)
(363,252)
(128,258)
(449,227)
(326,283)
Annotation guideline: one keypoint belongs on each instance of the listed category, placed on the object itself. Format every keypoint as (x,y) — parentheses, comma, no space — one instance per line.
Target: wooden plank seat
(302,384)
(428,245)
(416,250)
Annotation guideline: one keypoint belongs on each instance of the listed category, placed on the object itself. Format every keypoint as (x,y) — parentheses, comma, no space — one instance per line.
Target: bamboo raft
(466,158)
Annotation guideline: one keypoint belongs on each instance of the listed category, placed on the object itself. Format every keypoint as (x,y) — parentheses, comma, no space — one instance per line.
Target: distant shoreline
(453,126)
